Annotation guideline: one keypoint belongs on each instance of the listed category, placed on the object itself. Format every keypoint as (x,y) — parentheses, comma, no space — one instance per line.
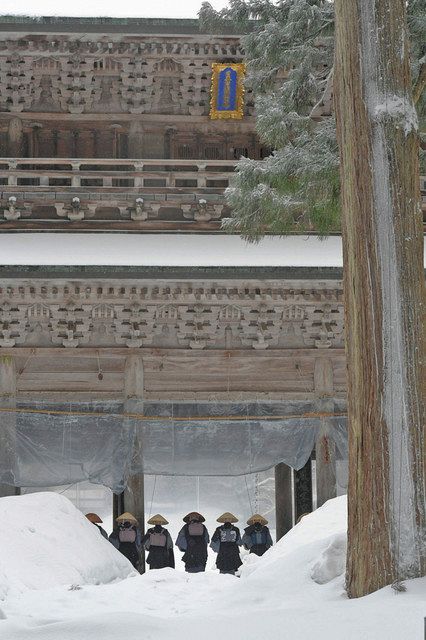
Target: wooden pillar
(325,449)
(283,499)
(303,491)
(117,505)
(133,403)
(8,425)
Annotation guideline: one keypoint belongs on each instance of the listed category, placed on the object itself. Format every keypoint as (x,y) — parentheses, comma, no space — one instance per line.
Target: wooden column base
(133,498)
(7,490)
(303,491)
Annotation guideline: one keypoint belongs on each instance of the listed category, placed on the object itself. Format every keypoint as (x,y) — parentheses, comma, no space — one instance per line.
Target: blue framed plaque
(227,92)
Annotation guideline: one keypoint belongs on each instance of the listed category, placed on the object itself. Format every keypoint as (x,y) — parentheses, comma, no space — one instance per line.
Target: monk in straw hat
(159,544)
(225,542)
(257,538)
(192,540)
(126,537)
(194,516)
(95,519)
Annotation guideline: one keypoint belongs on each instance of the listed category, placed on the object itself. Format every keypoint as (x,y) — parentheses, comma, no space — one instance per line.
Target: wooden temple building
(105,128)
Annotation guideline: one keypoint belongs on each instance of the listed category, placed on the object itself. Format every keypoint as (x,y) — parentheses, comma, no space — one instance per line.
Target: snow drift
(45,542)
(277,596)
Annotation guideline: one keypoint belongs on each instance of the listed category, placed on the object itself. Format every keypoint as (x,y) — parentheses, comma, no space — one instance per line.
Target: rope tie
(142,417)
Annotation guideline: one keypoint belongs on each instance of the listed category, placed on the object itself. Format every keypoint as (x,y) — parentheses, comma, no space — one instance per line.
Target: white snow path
(170,605)
(276,597)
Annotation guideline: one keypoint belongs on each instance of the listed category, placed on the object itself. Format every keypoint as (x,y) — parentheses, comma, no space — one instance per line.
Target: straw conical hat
(93,517)
(126,517)
(158,519)
(257,518)
(194,515)
(227,517)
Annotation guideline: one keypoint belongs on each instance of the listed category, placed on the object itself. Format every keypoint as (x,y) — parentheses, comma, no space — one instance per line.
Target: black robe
(159,557)
(101,530)
(228,556)
(195,556)
(129,549)
(257,549)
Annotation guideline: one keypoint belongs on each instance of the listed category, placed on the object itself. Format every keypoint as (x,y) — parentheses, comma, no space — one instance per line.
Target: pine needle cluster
(289,48)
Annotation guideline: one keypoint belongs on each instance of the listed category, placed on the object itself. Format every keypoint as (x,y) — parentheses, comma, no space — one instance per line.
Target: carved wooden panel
(191,316)
(151,74)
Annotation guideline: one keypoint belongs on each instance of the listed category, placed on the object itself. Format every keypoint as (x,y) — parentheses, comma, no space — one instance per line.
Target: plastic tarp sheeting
(45,449)
(338,432)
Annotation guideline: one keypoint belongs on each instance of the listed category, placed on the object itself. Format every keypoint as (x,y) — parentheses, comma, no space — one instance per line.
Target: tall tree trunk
(384,294)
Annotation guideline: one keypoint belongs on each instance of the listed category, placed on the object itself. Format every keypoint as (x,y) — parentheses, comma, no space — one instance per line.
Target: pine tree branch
(288,47)
(324,105)
(420,84)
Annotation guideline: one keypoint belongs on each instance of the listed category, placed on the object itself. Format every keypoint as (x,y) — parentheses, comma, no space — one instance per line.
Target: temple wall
(138,96)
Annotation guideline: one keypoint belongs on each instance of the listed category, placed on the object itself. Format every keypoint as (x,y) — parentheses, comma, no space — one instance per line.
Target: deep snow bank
(45,541)
(320,540)
(318,528)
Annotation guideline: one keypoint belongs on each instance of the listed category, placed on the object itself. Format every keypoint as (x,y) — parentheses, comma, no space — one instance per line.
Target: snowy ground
(130,9)
(167,250)
(295,591)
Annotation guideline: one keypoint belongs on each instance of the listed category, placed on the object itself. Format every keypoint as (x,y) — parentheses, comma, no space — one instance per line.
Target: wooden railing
(114,173)
(127,193)
(109,193)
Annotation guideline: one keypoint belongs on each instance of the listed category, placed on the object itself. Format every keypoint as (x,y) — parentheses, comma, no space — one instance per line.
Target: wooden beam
(133,403)
(325,456)
(117,505)
(325,448)
(303,491)
(177,371)
(283,499)
(112,352)
(8,426)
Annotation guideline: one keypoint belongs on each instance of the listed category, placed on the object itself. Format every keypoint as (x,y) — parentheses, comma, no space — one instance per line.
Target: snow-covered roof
(167,250)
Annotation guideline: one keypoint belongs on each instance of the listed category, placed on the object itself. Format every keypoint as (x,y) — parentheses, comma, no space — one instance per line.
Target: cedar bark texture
(384,294)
